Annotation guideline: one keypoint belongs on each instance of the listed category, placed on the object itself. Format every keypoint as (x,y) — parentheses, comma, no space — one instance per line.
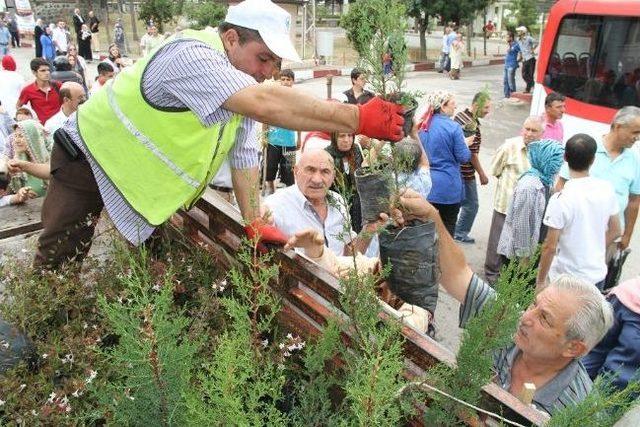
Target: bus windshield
(595,59)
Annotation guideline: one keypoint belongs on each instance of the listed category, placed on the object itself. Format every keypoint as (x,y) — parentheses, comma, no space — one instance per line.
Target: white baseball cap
(272,23)
(521,29)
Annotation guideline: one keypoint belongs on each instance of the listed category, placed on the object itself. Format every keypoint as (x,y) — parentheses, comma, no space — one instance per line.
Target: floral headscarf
(36,151)
(435,101)
(34,133)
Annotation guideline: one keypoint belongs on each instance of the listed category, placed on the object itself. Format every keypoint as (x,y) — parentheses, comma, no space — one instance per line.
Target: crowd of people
(566,196)
(578,198)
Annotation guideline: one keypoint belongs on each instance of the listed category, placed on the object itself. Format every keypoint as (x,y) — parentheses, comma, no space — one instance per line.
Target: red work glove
(381,120)
(266,233)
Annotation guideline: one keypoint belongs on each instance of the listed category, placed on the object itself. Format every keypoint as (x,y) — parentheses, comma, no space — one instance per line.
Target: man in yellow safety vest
(149,142)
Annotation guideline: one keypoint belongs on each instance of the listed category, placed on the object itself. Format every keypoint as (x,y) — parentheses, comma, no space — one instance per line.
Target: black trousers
(276,159)
(15,39)
(449,215)
(528,69)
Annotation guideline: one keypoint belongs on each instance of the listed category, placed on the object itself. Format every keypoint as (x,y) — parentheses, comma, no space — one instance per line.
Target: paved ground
(504,122)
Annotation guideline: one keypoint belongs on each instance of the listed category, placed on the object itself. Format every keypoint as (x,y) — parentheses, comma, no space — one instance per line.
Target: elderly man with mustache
(310,204)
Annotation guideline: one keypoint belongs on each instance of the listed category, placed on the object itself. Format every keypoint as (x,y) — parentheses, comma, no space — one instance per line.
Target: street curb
(310,73)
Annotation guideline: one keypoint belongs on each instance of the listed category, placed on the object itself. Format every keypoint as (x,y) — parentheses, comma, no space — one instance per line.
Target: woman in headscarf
(523,229)
(84,43)
(447,149)
(347,157)
(26,147)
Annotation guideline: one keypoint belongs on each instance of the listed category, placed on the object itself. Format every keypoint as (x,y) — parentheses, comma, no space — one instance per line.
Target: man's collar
(521,144)
(603,149)
(298,197)
(302,201)
(549,393)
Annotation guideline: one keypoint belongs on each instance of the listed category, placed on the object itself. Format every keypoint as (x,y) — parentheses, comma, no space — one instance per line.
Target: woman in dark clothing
(84,43)
(38,31)
(347,157)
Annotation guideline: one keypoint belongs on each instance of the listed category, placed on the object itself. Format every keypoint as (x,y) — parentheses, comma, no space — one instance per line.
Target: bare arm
(560,184)
(424,160)
(613,230)
(546,256)
(630,217)
(475,162)
(293,109)
(246,189)
(39,170)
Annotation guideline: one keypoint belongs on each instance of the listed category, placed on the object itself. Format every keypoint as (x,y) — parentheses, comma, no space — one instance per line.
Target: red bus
(590,52)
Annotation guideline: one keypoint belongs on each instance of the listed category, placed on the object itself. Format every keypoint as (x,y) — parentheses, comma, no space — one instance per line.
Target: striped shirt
(570,386)
(465,119)
(183,74)
(508,165)
(521,231)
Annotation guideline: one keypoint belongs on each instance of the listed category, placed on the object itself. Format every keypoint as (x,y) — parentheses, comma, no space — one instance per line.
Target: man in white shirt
(310,204)
(72,95)
(60,37)
(149,41)
(582,220)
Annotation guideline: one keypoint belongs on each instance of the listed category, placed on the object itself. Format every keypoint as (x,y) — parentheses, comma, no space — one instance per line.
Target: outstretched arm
(39,170)
(546,256)
(246,189)
(293,109)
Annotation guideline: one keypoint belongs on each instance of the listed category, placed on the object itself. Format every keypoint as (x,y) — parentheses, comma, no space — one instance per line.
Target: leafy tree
(420,11)
(205,13)
(461,12)
(525,12)
(160,11)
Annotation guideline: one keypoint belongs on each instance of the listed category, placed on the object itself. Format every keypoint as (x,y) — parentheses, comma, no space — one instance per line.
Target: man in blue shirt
(619,164)
(5,38)
(448,37)
(280,142)
(510,66)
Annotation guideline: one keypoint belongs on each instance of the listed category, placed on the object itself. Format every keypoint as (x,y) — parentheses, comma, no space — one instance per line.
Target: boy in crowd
(279,142)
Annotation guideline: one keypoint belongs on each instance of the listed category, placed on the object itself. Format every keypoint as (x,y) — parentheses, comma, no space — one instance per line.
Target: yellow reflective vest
(159,160)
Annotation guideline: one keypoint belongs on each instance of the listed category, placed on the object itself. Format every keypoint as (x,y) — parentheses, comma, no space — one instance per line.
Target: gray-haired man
(567,319)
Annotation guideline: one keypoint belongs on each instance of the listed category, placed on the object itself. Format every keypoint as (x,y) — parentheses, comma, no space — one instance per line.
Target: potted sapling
(411,250)
(376,30)
(470,127)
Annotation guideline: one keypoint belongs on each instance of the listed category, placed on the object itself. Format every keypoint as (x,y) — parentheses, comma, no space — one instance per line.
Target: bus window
(595,60)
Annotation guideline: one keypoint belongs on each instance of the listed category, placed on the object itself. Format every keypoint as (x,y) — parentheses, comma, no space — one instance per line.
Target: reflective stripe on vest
(158,160)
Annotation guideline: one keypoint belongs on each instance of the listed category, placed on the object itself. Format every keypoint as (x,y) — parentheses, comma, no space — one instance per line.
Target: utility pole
(484,32)
(134,26)
(309,27)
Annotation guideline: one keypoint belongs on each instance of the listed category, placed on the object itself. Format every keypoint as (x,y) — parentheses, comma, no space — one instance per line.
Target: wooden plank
(20,219)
